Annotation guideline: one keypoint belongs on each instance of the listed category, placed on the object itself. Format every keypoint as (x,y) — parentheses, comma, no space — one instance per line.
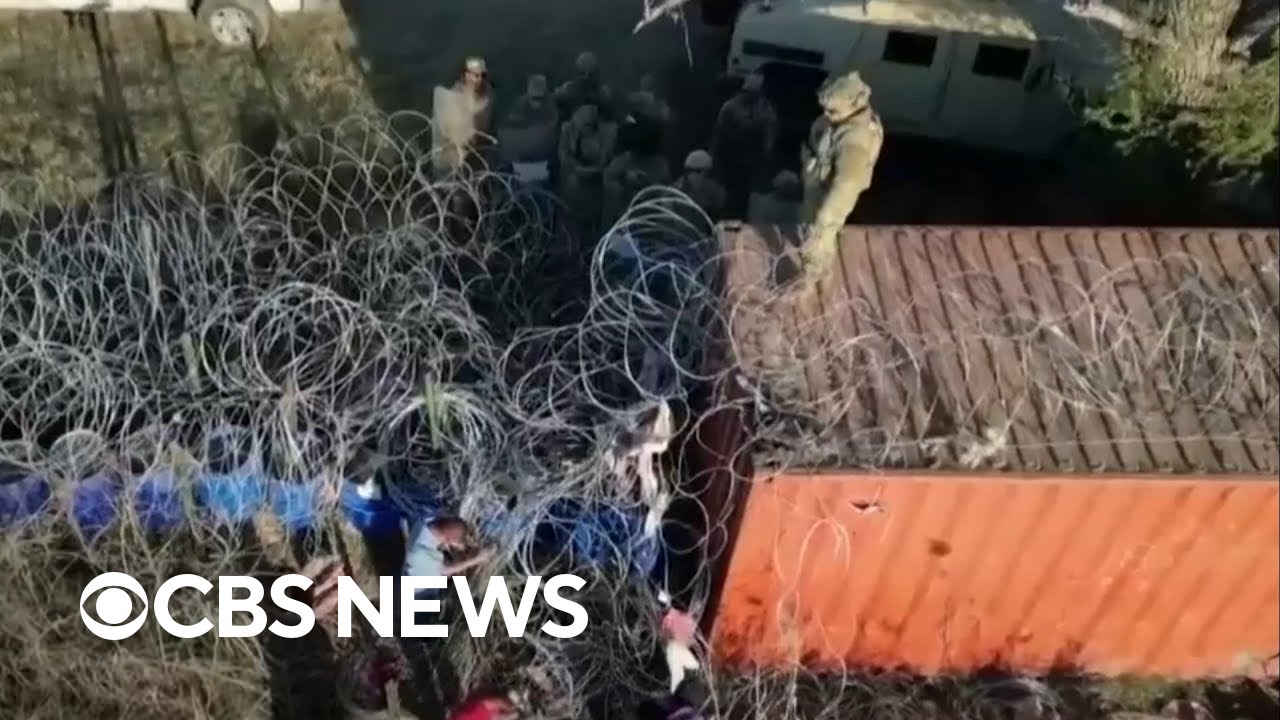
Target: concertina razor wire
(266,348)
(249,349)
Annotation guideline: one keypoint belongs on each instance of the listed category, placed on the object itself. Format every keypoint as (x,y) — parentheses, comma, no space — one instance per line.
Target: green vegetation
(1183,87)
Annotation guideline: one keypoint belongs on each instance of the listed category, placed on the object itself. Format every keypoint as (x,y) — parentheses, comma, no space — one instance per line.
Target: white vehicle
(231,23)
(980,72)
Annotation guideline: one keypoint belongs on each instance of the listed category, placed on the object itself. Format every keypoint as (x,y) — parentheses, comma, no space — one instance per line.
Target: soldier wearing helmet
(585,89)
(702,188)
(529,135)
(587,144)
(837,162)
(742,141)
(627,174)
(534,107)
(781,205)
(644,127)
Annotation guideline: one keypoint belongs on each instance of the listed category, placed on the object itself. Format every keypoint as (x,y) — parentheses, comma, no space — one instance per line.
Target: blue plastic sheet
(596,534)
(23,499)
(95,503)
(232,498)
(157,500)
(374,517)
(295,504)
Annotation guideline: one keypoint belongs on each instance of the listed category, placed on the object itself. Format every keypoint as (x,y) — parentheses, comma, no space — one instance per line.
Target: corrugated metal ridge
(952,572)
(1085,384)
(957,476)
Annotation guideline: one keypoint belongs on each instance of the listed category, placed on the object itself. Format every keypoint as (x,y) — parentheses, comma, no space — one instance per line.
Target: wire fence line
(1159,363)
(329,312)
(316,316)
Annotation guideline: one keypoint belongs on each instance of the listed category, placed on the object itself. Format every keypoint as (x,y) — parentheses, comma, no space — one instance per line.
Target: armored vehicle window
(908,48)
(785,53)
(1000,61)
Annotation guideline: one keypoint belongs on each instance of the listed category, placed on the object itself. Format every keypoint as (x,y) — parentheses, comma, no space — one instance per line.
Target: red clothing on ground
(483,708)
(679,626)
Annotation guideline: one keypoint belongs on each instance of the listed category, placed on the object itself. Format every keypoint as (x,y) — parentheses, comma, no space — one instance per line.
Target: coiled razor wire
(252,350)
(259,345)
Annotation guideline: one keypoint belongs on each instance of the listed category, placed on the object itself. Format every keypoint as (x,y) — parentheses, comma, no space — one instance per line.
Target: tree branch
(1124,23)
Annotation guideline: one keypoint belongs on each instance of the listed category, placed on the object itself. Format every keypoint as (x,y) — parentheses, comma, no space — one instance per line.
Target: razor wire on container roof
(328,338)
(1157,360)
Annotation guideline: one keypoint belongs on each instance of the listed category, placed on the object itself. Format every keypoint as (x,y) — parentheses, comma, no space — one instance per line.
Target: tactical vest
(583,152)
(825,142)
(746,124)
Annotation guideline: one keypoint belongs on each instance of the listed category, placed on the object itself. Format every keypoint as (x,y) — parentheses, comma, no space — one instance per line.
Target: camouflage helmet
(846,91)
(537,86)
(699,160)
(586,62)
(785,180)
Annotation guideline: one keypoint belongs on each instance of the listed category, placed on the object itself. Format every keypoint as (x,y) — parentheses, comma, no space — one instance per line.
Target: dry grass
(51,86)
(774,695)
(54,669)
(53,95)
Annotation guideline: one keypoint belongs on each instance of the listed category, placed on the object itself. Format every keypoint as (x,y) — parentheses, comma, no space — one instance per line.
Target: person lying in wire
(638,446)
(687,693)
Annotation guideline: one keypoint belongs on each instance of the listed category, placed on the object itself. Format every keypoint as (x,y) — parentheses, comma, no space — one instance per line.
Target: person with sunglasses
(462,127)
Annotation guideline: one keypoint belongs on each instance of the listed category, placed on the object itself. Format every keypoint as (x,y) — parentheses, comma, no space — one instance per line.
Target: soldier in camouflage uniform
(742,141)
(629,173)
(701,186)
(585,89)
(586,147)
(781,205)
(646,102)
(534,107)
(836,163)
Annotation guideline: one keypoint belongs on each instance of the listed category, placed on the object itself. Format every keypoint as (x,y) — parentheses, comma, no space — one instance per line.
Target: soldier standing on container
(837,162)
(586,146)
(698,183)
(742,141)
(585,89)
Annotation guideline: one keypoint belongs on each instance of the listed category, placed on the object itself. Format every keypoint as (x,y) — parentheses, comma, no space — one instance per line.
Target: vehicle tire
(236,24)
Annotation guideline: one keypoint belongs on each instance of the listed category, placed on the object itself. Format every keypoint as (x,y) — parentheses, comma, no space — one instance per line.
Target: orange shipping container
(942,572)
(1065,443)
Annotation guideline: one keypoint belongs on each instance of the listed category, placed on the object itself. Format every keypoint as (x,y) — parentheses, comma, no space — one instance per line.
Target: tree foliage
(1182,85)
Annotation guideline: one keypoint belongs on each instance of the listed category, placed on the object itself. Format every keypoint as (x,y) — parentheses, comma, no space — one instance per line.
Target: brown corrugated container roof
(1025,349)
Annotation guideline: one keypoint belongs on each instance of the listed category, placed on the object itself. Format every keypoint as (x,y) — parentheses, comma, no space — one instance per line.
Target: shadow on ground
(989,694)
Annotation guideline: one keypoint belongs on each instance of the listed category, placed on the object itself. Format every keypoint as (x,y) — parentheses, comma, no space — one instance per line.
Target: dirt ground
(59,103)
(149,85)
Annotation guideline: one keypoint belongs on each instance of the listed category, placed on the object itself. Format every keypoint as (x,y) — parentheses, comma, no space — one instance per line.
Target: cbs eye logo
(113,606)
